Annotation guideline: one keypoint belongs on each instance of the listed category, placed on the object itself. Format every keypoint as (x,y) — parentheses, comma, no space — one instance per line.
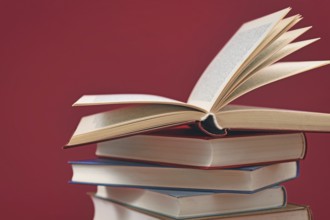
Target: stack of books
(160,158)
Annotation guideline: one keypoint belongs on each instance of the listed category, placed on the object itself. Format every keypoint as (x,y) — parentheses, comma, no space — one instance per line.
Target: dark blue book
(141,175)
(191,204)
(108,209)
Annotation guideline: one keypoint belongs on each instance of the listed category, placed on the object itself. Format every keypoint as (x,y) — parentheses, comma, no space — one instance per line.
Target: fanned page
(272,38)
(88,100)
(271,74)
(285,51)
(230,58)
(264,55)
(238,117)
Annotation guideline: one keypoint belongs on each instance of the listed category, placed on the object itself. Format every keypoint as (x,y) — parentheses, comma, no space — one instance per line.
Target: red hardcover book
(188,147)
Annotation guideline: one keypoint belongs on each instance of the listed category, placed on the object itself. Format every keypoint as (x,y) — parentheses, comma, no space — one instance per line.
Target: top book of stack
(247,62)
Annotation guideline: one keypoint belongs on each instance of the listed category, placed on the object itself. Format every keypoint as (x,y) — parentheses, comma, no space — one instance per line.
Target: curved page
(131,120)
(265,54)
(238,117)
(228,61)
(111,99)
(273,73)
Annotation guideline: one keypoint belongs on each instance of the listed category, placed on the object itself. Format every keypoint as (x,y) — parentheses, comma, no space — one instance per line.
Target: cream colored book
(106,210)
(248,61)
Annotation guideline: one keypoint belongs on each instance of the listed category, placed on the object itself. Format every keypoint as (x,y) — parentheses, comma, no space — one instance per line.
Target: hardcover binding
(209,127)
(285,201)
(198,216)
(192,189)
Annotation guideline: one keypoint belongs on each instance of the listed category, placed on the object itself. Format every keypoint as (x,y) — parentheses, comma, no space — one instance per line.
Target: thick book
(142,175)
(187,147)
(189,204)
(106,210)
(248,61)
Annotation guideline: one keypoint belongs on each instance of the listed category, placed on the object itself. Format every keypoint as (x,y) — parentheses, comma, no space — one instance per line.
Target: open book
(247,62)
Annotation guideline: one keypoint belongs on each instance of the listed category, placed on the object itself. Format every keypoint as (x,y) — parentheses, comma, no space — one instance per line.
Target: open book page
(285,51)
(256,118)
(231,57)
(110,99)
(130,120)
(264,55)
(271,74)
(279,30)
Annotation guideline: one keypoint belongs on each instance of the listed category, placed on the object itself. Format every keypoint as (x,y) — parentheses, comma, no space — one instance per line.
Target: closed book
(188,204)
(133,174)
(184,146)
(109,210)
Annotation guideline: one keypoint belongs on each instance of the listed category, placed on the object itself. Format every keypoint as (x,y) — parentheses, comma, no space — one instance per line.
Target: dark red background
(52,52)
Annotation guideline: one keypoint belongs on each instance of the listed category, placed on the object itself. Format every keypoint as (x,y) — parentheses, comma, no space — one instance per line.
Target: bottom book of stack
(110,210)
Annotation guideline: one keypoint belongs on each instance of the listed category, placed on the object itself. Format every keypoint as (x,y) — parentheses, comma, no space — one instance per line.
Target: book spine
(305,143)
(298,169)
(209,126)
(285,196)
